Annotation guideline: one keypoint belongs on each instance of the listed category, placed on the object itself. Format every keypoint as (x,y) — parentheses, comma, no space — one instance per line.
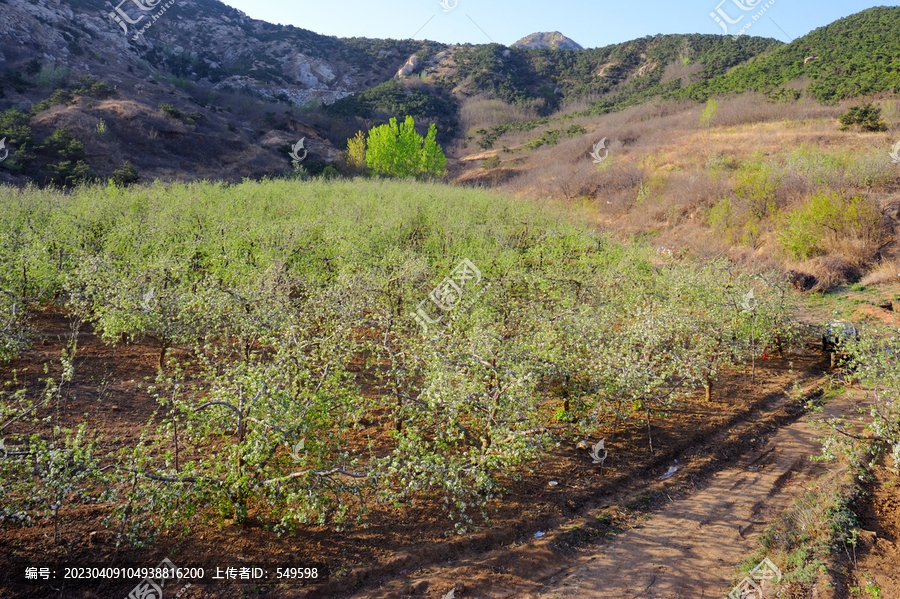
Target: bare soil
(878,551)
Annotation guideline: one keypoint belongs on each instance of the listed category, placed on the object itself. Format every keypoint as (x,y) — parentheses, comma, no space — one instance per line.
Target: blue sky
(591,24)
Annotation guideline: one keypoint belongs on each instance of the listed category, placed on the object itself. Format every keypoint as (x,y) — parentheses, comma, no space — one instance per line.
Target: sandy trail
(688,550)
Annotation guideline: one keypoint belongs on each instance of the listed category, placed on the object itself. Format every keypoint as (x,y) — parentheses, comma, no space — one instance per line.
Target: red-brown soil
(878,551)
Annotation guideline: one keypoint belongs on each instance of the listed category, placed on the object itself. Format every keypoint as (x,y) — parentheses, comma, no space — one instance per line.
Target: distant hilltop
(554,40)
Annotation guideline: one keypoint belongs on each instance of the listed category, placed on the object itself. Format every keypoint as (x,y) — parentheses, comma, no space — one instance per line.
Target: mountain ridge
(553,40)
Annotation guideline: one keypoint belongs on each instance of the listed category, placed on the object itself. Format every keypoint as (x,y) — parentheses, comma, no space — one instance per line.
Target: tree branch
(325,473)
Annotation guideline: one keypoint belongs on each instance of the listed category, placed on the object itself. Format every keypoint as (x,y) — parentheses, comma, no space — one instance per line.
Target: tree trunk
(399,424)
(162,354)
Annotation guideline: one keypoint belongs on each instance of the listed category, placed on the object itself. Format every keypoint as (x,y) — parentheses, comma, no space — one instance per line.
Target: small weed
(490,163)
(643,502)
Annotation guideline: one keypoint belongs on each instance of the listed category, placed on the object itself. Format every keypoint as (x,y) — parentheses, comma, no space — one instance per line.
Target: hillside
(546,79)
(204,85)
(855,56)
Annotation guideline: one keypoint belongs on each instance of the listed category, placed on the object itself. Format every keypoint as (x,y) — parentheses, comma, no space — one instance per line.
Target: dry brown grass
(830,271)
(665,172)
(885,271)
(751,108)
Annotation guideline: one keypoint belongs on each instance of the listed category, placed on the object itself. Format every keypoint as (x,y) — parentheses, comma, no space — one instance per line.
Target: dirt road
(690,548)
(686,549)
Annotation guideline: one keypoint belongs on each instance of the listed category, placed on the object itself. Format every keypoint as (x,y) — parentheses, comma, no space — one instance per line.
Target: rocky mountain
(553,40)
(203,41)
(164,83)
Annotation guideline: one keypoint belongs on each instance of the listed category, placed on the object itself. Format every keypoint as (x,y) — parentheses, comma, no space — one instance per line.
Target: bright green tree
(356,151)
(709,113)
(397,150)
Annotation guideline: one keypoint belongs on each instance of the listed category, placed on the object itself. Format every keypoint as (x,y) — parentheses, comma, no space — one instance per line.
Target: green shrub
(60,96)
(125,175)
(840,169)
(721,217)
(70,173)
(356,152)
(867,116)
(550,137)
(721,161)
(71,169)
(14,126)
(61,144)
(756,185)
(52,76)
(709,113)
(15,129)
(171,111)
(101,89)
(92,87)
(329,172)
(489,163)
(300,173)
(818,167)
(15,80)
(828,216)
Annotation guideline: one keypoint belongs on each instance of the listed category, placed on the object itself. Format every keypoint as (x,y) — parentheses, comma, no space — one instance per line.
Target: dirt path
(686,549)
(690,548)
